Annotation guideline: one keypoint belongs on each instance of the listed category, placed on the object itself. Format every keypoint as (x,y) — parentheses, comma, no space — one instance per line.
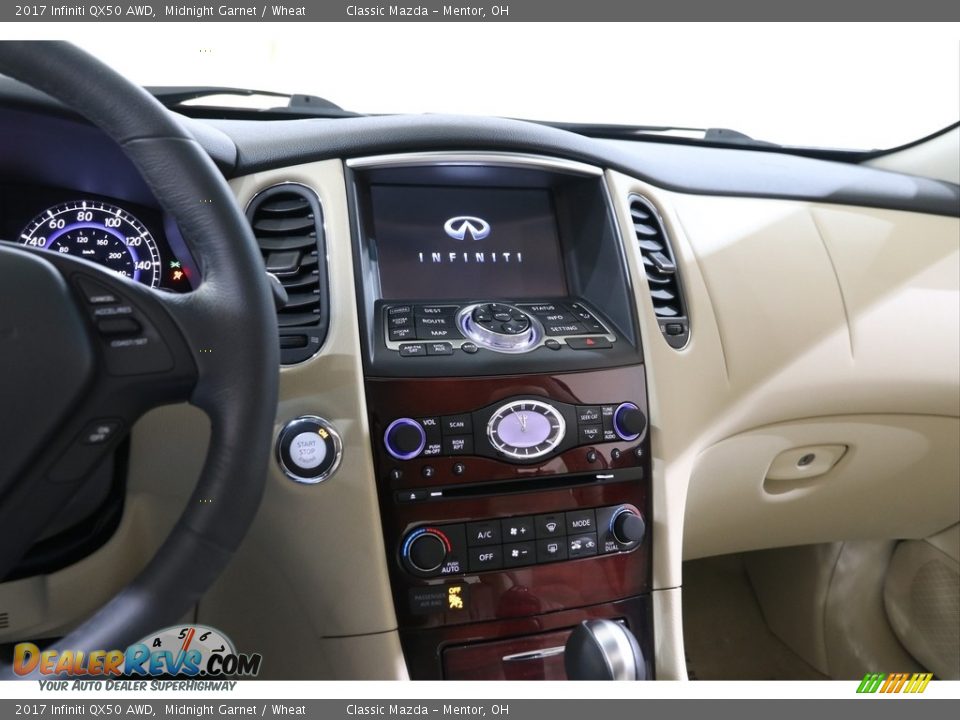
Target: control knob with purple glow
(629,421)
(526,429)
(405,438)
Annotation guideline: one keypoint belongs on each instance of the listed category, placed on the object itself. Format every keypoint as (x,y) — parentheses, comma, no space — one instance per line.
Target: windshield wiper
(178,97)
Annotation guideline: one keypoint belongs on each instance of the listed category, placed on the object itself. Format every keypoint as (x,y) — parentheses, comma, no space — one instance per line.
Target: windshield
(855,87)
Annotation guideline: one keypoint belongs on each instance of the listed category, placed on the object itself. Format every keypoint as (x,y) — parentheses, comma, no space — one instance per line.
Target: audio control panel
(518,430)
(500,544)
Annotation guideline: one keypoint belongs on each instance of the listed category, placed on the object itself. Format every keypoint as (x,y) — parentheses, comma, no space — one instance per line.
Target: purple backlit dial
(526,429)
(101,233)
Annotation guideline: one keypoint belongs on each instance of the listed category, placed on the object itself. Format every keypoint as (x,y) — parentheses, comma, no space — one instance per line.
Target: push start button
(309,449)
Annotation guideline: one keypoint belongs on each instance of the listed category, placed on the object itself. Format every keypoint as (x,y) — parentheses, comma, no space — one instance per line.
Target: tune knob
(405,439)
(629,421)
(424,550)
(628,527)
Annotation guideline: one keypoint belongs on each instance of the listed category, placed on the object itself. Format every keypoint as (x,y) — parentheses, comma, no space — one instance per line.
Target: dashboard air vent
(659,264)
(288,224)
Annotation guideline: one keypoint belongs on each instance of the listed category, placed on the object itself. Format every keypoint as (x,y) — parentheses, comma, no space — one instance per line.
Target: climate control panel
(518,430)
(505,543)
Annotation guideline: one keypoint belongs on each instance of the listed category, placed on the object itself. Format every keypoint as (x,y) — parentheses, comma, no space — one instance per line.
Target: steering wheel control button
(629,422)
(95,293)
(99,432)
(309,449)
(404,439)
(483,533)
(118,326)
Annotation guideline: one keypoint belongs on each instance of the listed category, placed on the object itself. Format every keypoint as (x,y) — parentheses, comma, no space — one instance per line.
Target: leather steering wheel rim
(231,311)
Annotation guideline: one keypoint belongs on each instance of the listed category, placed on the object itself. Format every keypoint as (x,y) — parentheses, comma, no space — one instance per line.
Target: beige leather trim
(938,158)
(314,564)
(670,661)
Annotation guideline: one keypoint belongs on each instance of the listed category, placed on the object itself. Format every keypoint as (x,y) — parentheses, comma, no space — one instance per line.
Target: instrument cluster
(134,241)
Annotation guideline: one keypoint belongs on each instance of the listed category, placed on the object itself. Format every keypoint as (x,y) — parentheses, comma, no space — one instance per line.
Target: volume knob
(405,439)
(629,421)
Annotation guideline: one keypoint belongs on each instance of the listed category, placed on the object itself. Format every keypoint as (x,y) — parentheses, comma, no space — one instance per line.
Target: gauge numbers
(526,429)
(99,232)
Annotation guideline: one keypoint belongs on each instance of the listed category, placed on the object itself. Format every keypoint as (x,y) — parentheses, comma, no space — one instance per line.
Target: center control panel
(455,549)
(420,330)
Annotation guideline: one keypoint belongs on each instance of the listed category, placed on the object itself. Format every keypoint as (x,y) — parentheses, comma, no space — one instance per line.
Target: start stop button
(309,449)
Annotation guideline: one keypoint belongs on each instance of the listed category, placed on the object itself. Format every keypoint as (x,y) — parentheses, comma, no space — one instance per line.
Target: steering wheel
(71,384)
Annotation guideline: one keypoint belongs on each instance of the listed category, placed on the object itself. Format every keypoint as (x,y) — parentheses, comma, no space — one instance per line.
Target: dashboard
(135,241)
(525,375)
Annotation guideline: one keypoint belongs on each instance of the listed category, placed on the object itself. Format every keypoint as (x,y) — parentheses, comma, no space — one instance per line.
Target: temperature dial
(424,550)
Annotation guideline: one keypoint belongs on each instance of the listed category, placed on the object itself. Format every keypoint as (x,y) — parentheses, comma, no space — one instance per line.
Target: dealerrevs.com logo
(889,683)
(191,651)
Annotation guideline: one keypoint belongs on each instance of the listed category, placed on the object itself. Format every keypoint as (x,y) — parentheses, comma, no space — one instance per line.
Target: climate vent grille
(666,292)
(288,224)
(4,621)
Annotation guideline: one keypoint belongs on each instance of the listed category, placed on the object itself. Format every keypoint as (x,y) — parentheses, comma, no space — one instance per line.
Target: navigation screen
(449,243)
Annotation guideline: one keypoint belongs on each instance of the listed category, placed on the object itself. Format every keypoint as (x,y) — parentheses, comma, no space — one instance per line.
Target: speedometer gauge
(100,232)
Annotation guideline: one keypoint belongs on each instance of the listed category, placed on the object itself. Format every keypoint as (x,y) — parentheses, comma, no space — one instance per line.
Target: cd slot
(527,485)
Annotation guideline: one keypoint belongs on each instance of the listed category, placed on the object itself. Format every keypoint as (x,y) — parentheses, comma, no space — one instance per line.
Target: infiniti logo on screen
(459,227)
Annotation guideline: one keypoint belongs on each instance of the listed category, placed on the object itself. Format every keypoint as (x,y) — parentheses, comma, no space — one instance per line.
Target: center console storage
(507,406)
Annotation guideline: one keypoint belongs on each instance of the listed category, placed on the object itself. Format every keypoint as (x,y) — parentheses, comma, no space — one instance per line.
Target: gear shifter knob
(603,650)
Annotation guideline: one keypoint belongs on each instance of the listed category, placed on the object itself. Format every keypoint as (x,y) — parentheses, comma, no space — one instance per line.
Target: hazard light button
(588,343)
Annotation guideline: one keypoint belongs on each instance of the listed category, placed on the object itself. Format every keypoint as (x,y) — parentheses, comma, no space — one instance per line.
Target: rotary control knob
(629,421)
(405,439)
(424,550)
(627,527)
(500,327)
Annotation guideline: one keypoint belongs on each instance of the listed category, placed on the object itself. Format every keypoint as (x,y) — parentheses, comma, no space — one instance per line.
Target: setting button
(582,545)
(581,521)
(483,533)
(518,528)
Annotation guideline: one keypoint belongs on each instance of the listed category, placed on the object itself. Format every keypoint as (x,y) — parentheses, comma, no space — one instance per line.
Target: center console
(508,408)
